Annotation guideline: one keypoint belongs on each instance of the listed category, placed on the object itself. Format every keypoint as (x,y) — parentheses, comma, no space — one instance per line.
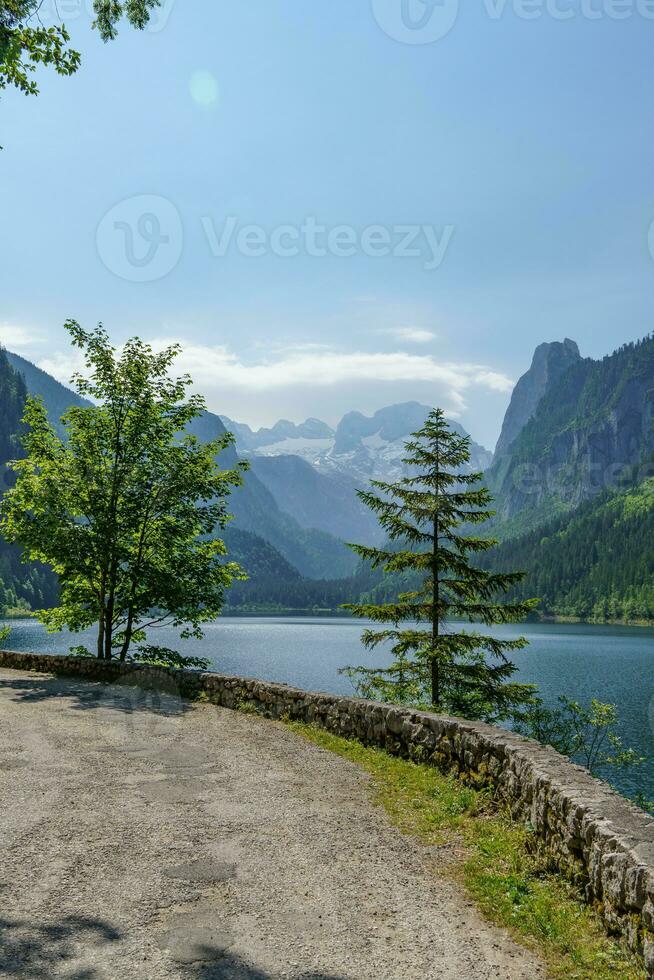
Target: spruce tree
(431,515)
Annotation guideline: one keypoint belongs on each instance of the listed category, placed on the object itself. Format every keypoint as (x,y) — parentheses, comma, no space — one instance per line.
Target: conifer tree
(431,514)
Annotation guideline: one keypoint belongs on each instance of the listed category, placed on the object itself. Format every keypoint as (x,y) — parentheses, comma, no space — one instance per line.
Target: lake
(610,663)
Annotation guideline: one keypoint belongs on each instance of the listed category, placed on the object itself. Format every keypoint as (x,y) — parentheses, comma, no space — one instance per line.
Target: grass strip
(489,854)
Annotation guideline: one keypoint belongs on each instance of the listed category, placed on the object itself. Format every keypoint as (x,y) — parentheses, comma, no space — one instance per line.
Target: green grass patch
(489,854)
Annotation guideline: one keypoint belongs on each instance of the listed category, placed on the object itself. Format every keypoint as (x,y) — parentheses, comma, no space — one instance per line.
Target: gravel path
(144,838)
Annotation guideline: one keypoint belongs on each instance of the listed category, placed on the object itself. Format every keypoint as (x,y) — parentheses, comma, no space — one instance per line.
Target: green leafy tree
(587,734)
(124,508)
(429,514)
(26,43)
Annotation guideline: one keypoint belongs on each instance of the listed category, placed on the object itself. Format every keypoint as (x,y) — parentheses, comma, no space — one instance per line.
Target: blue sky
(517,151)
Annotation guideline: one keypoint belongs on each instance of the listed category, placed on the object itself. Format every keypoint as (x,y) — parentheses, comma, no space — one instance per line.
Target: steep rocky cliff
(592,428)
(549,362)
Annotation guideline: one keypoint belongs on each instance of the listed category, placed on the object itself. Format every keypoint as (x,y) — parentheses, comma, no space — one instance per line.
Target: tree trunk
(108,631)
(101,633)
(128,636)
(111,605)
(435,666)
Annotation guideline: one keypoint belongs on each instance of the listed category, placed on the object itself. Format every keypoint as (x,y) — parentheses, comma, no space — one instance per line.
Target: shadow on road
(41,952)
(222,964)
(91,695)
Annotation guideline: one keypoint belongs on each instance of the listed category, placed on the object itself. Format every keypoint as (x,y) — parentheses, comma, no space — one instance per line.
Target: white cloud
(14,337)
(217,366)
(412,335)
(62,364)
(302,372)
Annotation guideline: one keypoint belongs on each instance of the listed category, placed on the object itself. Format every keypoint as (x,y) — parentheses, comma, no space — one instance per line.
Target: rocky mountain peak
(549,362)
(250,440)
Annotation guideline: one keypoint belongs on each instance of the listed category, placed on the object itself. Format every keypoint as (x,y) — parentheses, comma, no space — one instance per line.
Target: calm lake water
(611,663)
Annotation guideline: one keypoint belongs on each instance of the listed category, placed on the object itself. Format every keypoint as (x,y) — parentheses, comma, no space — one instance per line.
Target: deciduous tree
(126,506)
(25,42)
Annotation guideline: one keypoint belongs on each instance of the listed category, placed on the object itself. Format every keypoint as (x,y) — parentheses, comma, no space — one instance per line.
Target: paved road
(143,838)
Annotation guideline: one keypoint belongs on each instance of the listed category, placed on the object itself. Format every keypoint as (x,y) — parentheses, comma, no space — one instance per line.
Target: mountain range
(572,476)
(297,550)
(313,471)
(298,504)
(361,448)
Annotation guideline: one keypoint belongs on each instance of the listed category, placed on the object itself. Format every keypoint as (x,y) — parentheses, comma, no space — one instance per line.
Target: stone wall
(590,832)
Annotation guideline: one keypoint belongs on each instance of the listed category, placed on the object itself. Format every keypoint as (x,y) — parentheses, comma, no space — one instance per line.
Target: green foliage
(80,651)
(556,459)
(125,507)
(586,734)
(22,587)
(12,404)
(596,564)
(108,14)
(465,672)
(25,43)
(157,656)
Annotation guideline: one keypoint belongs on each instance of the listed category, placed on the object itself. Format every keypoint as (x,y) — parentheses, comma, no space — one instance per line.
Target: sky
(338,205)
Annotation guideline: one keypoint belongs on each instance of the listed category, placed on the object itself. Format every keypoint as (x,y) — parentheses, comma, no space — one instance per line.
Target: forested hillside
(591,427)
(55,396)
(596,565)
(573,486)
(574,493)
(21,586)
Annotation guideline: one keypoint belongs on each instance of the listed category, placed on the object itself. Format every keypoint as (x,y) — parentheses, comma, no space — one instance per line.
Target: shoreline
(263,613)
(577,620)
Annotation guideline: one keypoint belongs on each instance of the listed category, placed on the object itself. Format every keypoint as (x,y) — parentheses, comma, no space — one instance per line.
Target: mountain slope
(549,362)
(312,553)
(21,586)
(56,397)
(590,427)
(313,473)
(257,557)
(372,447)
(317,500)
(595,564)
